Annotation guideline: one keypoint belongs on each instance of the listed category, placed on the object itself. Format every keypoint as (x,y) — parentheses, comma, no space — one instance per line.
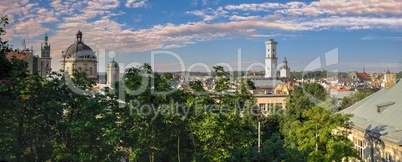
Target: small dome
(113,64)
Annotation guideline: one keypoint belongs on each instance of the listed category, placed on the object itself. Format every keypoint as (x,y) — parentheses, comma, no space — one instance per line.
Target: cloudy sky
(367,33)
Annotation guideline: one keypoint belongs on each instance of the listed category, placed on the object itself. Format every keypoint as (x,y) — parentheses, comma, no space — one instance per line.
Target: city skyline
(367,34)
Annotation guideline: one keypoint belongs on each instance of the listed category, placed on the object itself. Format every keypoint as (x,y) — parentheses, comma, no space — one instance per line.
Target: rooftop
(375,116)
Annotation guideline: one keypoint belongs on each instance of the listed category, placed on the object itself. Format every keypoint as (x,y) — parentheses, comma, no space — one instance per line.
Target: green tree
(221,133)
(156,122)
(196,86)
(87,128)
(319,134)
(274,149)
(399,75)
(222,83)
(353,98)
(45,120)
(323,135)
(5,64)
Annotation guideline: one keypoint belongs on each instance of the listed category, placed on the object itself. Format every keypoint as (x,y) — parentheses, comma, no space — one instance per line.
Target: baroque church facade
(79,56)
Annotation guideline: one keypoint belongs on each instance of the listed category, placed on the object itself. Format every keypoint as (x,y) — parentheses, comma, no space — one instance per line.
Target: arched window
(90,71)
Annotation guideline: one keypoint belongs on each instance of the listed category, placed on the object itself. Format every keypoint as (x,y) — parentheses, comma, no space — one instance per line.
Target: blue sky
(368,34)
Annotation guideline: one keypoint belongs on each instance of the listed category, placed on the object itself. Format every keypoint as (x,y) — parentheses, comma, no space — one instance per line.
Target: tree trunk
(178,146)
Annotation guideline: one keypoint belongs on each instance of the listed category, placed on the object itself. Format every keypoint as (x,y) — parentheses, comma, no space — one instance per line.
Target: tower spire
(46,39)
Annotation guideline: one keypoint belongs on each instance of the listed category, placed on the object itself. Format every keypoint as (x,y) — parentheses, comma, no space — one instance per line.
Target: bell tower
(285,70)
(112,74)
(270,59)
(46,60)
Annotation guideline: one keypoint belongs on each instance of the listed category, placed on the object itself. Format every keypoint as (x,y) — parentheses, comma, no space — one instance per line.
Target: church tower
(45,59)
(270,59)
(112,73)
(285,70)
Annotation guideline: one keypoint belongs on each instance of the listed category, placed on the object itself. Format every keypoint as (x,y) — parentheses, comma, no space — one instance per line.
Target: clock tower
(270,59)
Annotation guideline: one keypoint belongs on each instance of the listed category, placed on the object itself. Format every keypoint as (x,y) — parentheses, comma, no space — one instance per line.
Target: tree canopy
(66,120)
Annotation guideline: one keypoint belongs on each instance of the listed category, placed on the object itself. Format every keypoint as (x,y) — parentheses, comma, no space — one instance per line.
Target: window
(270,108)
(262,107)
(359,145)
(90,71)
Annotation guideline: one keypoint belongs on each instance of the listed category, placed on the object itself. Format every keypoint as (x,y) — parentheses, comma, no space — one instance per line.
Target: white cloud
(332,7)
(173,46)
(354,23)
(29,29)
(374,37)
(244,18)
(136,3)
(103,4)
(94,18)
(209,14)
(255,7)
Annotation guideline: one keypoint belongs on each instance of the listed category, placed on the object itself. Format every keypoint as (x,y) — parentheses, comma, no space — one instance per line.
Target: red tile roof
(363,76)
(18,55)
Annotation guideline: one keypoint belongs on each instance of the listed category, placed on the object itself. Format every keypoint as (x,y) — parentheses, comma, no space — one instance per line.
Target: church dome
(79,49)
(113,64)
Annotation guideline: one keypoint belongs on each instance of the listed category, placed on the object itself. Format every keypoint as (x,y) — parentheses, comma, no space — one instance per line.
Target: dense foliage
(315,74)
(353,98)
(399,75)
(145,119)
(311,128)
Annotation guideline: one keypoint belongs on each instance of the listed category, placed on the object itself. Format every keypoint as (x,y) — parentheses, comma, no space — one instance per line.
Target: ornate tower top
(45,45)
(79,36)
(285,64)
(46,39)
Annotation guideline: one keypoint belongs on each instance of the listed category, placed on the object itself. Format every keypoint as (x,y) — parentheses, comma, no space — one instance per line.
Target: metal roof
(266,83)
(376,116)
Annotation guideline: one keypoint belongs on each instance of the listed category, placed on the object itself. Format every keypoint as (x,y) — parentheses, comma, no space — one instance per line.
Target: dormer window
(382,107)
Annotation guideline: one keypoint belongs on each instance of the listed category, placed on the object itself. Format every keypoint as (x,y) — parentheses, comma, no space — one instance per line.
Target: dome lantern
(79,36)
